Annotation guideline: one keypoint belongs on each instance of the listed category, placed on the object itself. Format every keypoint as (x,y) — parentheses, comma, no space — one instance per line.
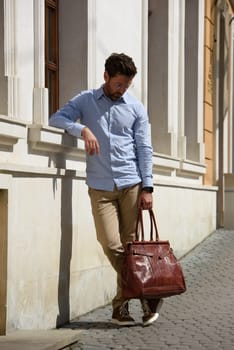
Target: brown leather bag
(150,269)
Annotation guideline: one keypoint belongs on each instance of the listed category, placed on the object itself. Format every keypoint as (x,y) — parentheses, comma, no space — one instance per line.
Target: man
(114,127)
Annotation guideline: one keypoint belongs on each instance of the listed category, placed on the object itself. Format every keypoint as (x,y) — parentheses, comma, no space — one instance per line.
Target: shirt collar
(100,92)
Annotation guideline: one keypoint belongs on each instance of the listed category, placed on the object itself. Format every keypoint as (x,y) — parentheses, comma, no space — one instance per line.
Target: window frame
(52,65)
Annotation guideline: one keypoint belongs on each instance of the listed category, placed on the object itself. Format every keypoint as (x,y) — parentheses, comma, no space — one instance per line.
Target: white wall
(54,258)
(72,52)
(24,57)
(117,27)
(56,268)
(185,215)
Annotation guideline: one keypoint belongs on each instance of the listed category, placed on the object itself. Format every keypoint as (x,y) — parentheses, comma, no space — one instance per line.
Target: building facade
(51,267)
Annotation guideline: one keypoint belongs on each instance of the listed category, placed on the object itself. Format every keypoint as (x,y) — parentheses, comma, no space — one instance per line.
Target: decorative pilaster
(144,50)
(10,58)
(40,93)
(173,70)
(231,98)
(200,84)
(92,53)
(181,141)
(193,93)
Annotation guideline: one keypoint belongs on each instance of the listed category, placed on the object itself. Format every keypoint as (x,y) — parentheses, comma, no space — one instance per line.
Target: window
(66,50)
(158,48)
(51,53)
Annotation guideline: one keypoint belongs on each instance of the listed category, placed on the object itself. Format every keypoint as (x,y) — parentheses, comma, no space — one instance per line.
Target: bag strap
(140,226)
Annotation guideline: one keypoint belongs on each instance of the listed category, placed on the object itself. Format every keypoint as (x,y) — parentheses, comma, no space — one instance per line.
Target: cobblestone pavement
(201,318)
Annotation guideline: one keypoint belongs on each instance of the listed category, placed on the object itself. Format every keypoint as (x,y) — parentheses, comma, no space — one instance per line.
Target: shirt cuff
(147,181)
(75,130)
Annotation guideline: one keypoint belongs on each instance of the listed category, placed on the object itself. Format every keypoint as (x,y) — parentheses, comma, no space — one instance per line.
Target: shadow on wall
(65,243)
(65,252)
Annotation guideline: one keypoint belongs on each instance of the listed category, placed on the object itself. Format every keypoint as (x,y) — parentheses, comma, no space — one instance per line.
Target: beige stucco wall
(56,268)
(185,216)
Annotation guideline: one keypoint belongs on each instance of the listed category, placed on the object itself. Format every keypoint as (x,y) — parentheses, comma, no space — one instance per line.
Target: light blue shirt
(122,130)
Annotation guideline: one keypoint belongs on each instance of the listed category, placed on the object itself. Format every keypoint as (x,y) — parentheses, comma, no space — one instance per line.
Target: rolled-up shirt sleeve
(67,118)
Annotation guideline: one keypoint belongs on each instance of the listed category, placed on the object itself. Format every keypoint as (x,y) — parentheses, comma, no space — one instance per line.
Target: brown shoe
(151,309)
(121,316)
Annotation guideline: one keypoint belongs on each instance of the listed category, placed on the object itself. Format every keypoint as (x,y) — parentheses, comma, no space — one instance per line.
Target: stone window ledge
(164,161)
(167,164)
(194,167)
(49,139)
(11,131)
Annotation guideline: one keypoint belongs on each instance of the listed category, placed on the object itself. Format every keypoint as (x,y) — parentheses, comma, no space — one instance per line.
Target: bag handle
(140,224)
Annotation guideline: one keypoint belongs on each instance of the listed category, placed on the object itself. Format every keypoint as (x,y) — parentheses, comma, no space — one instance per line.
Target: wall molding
(49,139)
(11,131)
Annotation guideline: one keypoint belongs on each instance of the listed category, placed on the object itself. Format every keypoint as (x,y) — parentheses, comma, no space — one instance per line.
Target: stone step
(54,339)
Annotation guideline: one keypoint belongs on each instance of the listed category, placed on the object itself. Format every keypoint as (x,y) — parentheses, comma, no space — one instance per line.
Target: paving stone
(200,319)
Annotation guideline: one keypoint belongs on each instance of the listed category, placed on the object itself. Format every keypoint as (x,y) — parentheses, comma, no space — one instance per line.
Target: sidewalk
(200,319)
(53,339)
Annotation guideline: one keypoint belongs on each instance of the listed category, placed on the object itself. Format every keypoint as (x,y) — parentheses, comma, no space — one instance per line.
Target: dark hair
(119,63)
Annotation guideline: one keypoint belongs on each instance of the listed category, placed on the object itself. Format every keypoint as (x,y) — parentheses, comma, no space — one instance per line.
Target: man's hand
(145,200)
(91,142)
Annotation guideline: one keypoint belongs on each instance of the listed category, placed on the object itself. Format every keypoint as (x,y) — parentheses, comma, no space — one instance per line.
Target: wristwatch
(148,189)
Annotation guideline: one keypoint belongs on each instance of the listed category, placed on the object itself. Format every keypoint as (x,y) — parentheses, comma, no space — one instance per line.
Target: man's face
(116,86)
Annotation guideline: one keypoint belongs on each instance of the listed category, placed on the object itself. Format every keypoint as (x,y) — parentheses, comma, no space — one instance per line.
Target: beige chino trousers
(115,216)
